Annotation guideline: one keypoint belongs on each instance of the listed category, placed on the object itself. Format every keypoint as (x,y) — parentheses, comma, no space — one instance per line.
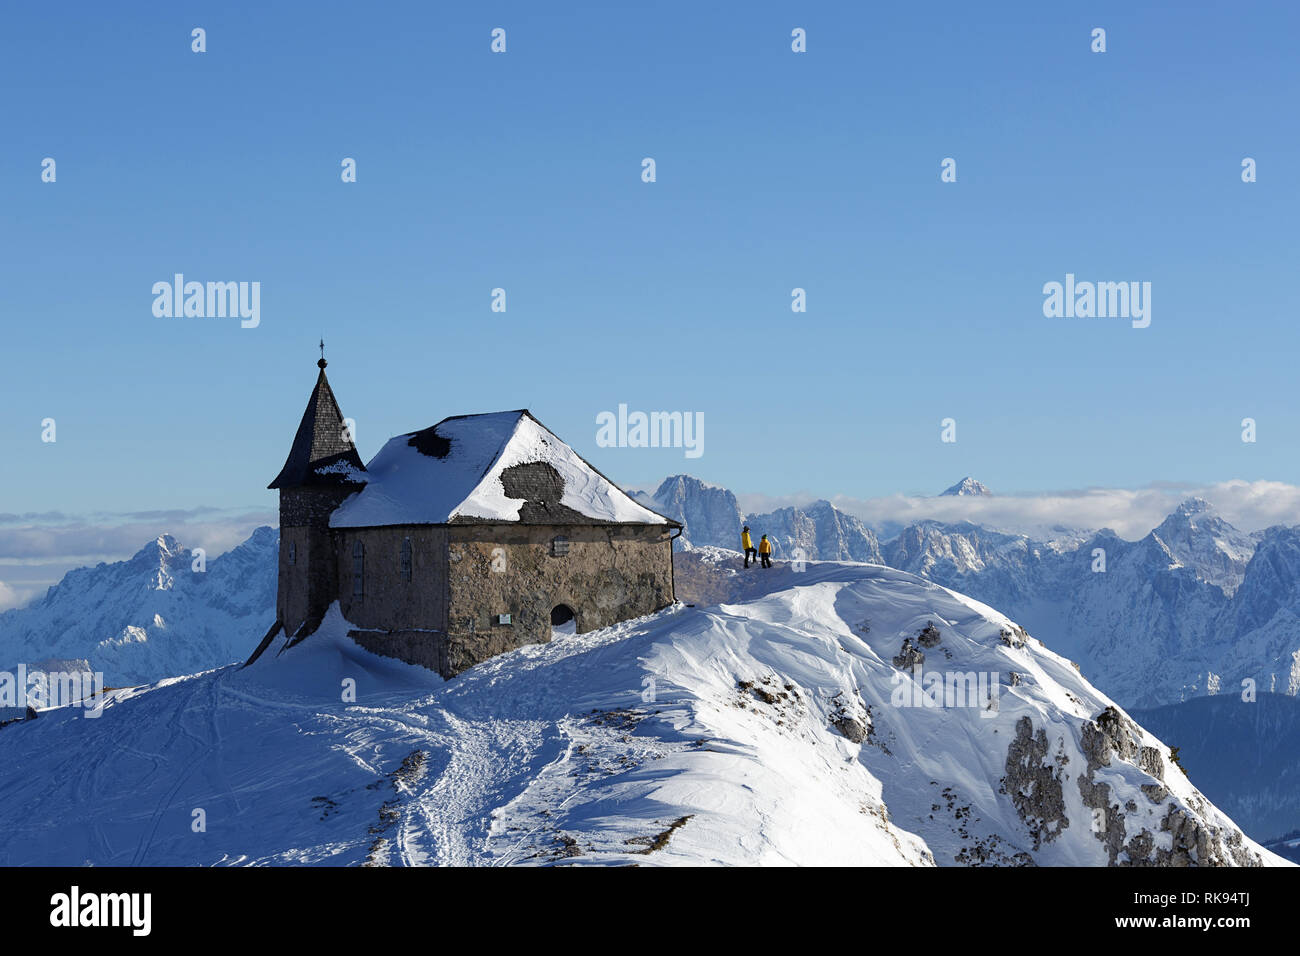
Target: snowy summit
(967,486)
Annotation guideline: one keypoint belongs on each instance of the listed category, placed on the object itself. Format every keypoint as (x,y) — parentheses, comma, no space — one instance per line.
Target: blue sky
(775,170)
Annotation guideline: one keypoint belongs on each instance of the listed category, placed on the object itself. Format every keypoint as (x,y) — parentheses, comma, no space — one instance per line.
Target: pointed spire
(322,440)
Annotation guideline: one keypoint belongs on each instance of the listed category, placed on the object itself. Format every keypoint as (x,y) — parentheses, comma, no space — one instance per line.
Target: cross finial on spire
(322,363)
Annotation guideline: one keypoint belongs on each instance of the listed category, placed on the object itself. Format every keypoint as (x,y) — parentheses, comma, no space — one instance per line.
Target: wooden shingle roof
(322,452)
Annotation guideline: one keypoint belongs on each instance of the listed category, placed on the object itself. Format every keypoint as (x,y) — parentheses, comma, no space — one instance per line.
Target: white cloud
(16,595)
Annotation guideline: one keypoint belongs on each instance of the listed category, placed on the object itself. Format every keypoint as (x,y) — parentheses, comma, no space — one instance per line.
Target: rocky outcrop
(1034,782)
(1192,841)
(929,636)
(850,718)
(909,656)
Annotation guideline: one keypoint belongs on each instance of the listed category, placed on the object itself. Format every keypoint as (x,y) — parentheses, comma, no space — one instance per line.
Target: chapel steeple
(323,452)
(322,470)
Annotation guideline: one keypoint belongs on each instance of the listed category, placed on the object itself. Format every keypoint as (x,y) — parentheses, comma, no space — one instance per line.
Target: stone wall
(311,507)
(463,577)
(291,599)
(388,602)
(306,585)
(610,573)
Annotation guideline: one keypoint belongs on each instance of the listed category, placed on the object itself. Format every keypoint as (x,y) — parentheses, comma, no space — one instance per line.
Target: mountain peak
(684,481)
(1197,537)
(968,486)
(1194,506)
(162,547)
(263,535)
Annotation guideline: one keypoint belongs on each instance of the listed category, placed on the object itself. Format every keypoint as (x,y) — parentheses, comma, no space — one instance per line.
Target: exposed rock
(844,718)
(1014,639)
(1193,842)
(1033,781)
(1110,732)
(1150,761)
(854,730)
(929,636)
(1155,792)
(909,656)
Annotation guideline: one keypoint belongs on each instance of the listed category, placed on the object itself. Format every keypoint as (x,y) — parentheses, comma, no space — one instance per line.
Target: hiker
(747,543)
(765,551)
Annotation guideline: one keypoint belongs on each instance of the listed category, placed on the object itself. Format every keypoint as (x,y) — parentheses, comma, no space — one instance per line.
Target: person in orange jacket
(747,543)
(765,551)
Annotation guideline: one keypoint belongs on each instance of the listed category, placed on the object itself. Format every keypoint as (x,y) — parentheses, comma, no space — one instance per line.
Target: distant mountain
(150,616)
(967,486)
(709,515)
(941,551)
(1186,611)
(1198,538)
(1193,608)
(819,531)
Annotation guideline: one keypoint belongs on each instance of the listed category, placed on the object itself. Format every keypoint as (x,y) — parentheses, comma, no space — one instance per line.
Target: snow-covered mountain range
(711,516)
(158,614)
(1195,607)
(1190,609)
(802,726)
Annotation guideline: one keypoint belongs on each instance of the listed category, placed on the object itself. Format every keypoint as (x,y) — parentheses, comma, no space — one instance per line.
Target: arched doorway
(563,620)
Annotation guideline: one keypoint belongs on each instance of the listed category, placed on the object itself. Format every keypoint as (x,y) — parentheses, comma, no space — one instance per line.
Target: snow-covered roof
(498,467)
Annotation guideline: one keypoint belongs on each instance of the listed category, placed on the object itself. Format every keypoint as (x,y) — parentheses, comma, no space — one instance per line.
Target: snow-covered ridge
(776,730)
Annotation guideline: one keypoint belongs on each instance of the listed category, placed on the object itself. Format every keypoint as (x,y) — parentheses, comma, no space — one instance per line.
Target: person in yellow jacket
(765,551)
(747,543)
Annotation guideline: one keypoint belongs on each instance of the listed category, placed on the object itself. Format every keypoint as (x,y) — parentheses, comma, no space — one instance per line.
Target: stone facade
(609,574)
(387,600)
(308,571)
(464,577)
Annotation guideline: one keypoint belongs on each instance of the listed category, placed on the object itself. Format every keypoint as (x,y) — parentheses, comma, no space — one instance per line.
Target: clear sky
(775,170)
